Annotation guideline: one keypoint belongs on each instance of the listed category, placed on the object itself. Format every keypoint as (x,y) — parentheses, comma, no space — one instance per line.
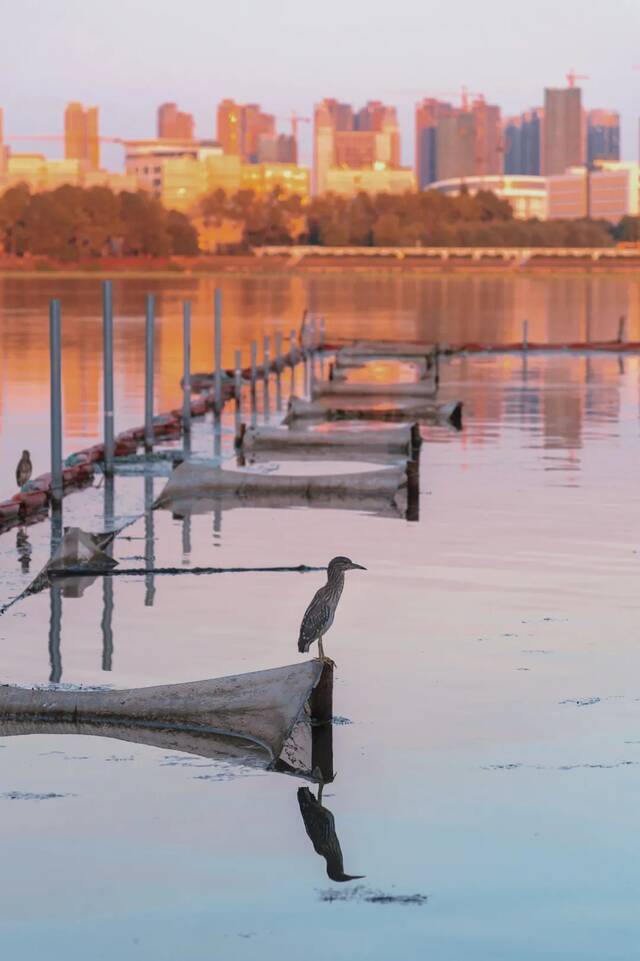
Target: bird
(320,825)
(24,469)
(320,613)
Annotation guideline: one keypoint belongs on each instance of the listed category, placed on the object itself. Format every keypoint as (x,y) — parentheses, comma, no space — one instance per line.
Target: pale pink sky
(128,56)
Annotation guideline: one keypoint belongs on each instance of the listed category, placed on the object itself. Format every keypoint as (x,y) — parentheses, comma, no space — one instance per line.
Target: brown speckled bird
(320,613)
(320,825)
(24,469)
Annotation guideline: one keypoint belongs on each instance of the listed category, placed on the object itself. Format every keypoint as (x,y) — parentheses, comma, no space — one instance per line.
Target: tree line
(73,223)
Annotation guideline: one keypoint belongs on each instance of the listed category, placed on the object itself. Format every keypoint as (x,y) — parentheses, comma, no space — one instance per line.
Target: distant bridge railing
(520,255)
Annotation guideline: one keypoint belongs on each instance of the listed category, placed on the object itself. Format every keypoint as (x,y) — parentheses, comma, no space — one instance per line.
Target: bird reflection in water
(23,547)
(320,825)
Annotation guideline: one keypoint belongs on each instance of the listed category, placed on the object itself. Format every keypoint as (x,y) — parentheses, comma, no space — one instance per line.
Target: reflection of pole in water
(217,526)
(266,370)
(217,436)
(186,537)
(106,623)
(23,547)
(149,554)
(292,350)
(254,364)
(278,371)
(107,582)
(55,621)
(588,308)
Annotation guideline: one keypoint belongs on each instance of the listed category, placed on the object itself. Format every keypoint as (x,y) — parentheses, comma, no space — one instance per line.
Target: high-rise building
(240,127)
(173,124)
(457,141)
(564,140)
(81,139)
(603,136)
(523,143)
(351,141)
(456,146)
(4,151)
(428,113)
(278,149)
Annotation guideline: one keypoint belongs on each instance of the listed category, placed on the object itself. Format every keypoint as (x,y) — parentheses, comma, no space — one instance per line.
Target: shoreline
(179,267)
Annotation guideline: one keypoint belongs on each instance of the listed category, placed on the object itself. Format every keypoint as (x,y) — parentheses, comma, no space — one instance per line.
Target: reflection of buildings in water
(320,826)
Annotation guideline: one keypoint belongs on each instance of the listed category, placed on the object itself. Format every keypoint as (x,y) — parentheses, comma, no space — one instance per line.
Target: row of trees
(418,219)
(72,223)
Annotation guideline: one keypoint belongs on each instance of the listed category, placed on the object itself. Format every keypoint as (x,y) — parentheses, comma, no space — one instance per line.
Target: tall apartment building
(173,124)
(564,139)
(523,142)
(240,126)
(279,149)
(4,151)
(428,114)
(353,141)
(457,141)
(81,138)
(603,136)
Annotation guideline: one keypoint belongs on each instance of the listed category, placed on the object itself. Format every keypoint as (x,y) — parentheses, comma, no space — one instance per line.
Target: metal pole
(149,545)
(621,329)
(279,371)
(55,622)
(292,355)
(237,389)
(186,373)
(107,360)
(217,396)
(525,335)
(266,370)
(148,370)
(55,356)
(323,326)
(106,623)
(254,364)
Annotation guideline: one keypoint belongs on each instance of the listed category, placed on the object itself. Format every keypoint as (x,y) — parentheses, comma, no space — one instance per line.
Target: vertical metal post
(217,388)
(254,364)
(621,323)
(149,537)
(266,370)
(279,371)
(148,370)
(237,390)
(293,356)
(525,335)
(55,357)
(186,368)
(107,377)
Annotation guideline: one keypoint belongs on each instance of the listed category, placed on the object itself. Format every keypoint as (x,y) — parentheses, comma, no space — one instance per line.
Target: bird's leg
(323,657)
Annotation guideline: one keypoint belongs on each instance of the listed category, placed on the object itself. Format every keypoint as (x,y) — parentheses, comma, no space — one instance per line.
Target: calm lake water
(488,659)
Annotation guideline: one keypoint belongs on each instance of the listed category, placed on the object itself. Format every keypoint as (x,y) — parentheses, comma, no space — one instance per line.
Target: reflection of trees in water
(320,825)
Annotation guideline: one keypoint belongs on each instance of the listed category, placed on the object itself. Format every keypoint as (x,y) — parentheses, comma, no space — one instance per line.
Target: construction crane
(572,76)
(294,119)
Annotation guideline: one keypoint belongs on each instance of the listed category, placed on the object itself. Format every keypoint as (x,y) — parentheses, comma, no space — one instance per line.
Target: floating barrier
(403,440)
(246,718)
(340,388)
(427,411)
(379,349)
(191,480)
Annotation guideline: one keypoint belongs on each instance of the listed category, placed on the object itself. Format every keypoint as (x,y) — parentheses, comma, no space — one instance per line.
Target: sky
(128,56)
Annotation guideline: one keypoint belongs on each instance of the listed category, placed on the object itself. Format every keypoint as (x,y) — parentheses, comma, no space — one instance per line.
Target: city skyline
(285,62)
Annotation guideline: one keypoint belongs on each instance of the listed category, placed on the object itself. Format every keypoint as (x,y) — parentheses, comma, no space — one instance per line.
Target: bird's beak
(357,567)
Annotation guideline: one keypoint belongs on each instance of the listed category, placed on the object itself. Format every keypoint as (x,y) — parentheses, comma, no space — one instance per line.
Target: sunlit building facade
(527,194)
(564,130)
(603,136)
(81,136)
(609,192)
(345,140)
(378,179)
(240,127)
(174,124)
